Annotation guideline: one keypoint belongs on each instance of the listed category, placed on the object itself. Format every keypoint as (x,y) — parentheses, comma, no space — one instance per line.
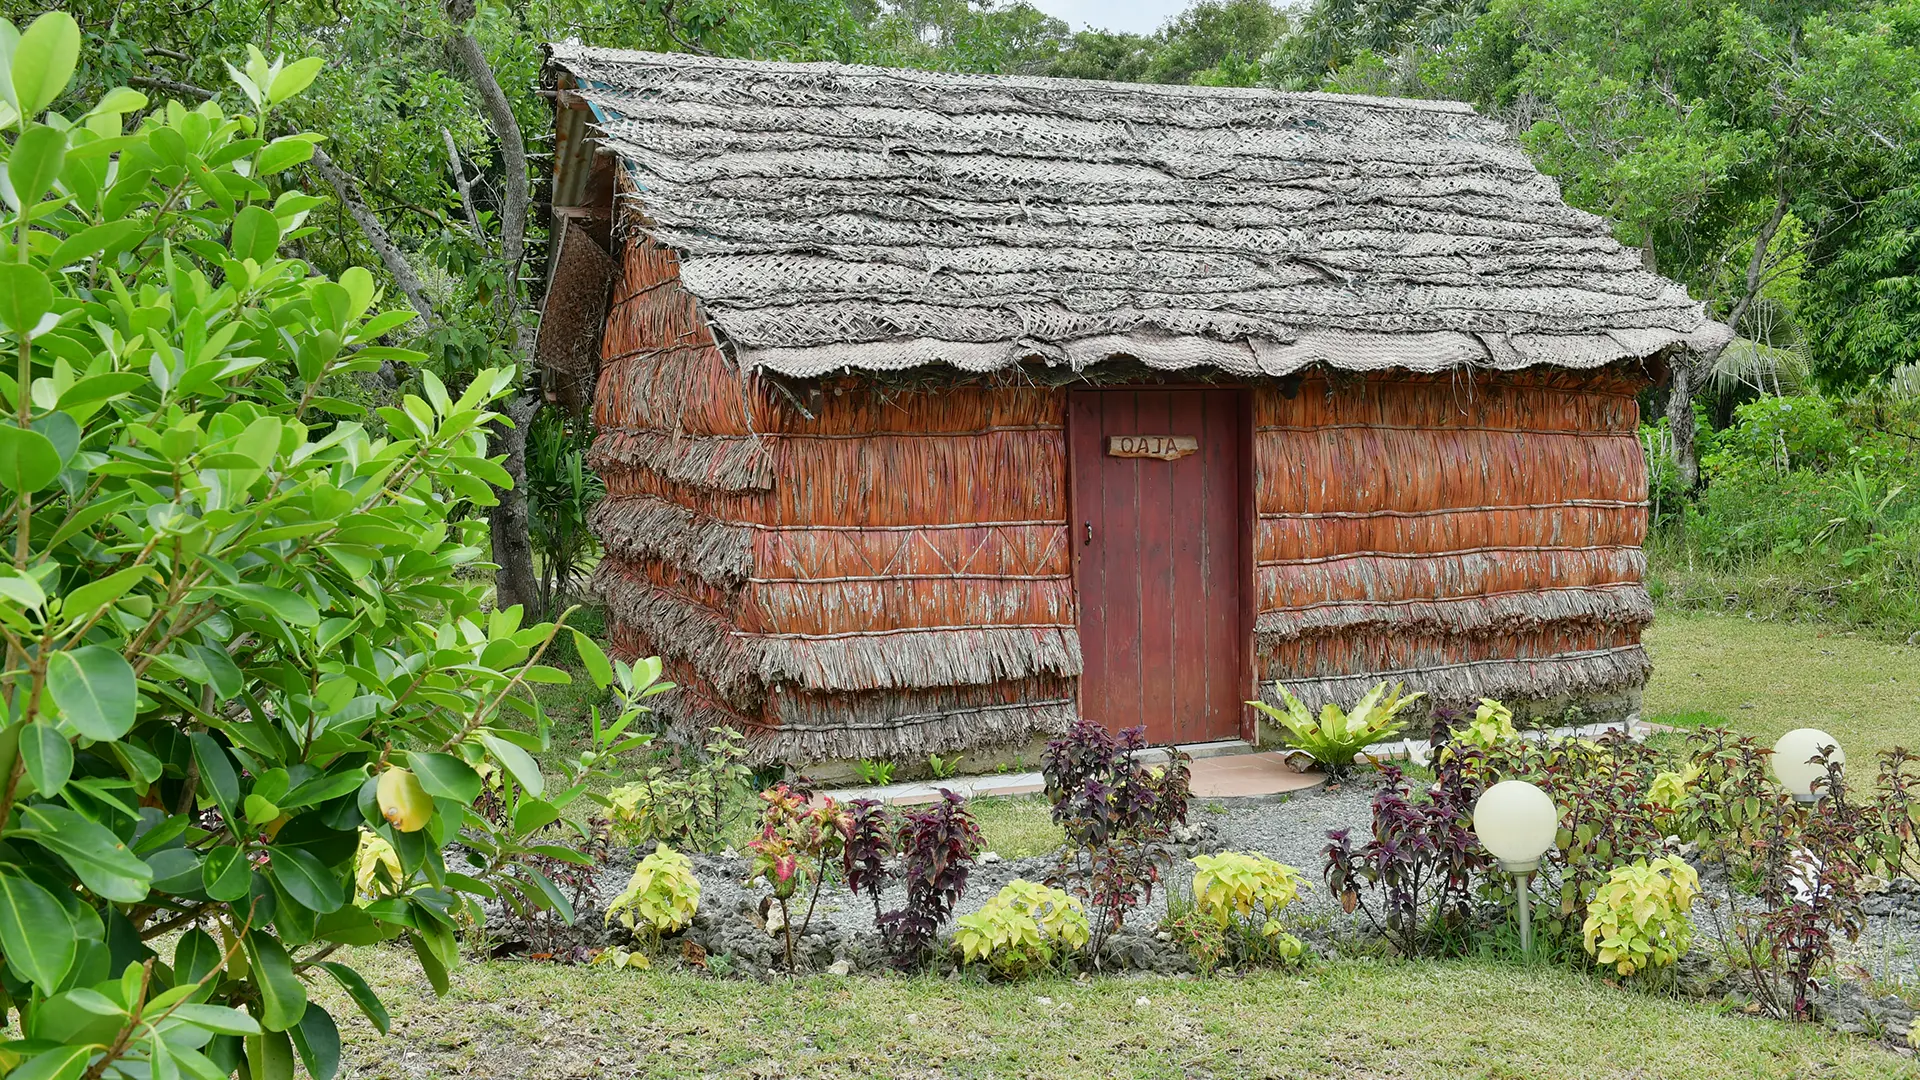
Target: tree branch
(513,155)
(171,86)
(390,256)
(465,184)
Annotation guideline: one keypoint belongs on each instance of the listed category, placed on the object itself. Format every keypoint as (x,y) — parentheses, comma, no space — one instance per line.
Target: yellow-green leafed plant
(1669,789)
(1251,887)
(1025,927)
(1492,724)
(1244,895)
(1335,737)
(1638,919)
(661,898)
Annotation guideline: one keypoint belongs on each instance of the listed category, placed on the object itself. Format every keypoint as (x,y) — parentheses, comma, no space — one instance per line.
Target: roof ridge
(569,52)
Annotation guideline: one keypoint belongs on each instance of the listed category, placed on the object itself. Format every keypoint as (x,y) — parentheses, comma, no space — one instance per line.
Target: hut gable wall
(1473,536)
(875,575)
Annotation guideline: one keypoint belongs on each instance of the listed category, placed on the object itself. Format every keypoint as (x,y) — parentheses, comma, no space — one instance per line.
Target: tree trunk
(508,523)
(1680,420)
(390,256)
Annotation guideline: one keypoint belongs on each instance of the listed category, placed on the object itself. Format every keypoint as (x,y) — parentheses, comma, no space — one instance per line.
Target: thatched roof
(833,216)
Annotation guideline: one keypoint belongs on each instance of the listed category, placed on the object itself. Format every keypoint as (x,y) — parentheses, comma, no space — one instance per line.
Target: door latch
(1089,532)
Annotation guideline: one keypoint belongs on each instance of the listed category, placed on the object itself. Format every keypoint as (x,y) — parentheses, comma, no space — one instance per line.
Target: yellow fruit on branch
(403,802)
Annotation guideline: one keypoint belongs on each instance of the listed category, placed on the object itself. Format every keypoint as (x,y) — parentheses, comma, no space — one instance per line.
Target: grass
(1346,1019)
(1017,826)
(1767,677)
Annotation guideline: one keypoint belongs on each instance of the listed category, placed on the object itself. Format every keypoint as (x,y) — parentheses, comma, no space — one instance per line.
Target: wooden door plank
(1155,530)
(1223,569)
(1188,595)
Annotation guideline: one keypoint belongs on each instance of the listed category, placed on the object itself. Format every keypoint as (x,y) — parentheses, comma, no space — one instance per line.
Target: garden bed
(730,937)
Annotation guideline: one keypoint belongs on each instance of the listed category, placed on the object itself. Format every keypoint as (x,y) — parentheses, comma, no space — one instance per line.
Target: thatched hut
(935,408)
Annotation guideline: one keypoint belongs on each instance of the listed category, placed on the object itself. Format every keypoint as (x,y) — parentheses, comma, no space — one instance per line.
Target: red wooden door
(1160,559)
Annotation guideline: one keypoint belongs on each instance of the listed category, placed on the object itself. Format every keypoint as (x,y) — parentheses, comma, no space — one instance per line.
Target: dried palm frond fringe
(741,665)
(1623,604)
(1583,674)
(719,462)
(647,527)
(904,737)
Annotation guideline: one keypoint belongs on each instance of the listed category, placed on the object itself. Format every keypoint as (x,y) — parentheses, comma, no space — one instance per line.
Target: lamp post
(1794,765)
(1517,822)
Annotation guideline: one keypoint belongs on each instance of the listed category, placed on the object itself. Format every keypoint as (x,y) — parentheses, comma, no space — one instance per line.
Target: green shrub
(692,802)
(237,628)
(1639,919)
(1026,927)
(1335,737)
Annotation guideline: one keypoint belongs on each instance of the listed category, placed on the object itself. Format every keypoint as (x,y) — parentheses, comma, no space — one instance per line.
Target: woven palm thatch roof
(840,217)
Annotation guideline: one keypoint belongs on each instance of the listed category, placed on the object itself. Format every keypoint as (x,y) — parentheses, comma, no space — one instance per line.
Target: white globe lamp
(1517,822)
(1794,765)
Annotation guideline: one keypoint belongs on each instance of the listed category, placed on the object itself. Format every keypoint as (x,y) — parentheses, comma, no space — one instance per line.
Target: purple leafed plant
(1117,814)
(869,850)
(937,846)
(1422,857)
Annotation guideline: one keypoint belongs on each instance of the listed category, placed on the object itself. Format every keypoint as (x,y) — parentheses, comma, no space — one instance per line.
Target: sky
(1138,16)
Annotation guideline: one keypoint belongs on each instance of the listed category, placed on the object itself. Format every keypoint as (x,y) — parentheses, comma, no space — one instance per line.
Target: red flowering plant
(798,836)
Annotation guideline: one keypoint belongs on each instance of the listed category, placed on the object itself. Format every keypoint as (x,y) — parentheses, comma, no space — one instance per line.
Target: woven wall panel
(1293,538)
(1365,469)
(1421,577)
(1465,533)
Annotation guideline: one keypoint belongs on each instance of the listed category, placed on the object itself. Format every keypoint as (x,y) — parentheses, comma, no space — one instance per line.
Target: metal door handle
(1089,532)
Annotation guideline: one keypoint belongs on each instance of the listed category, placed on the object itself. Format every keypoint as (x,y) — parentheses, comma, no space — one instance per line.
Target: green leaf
(282,154)
(43,61)
(95,689)
(318,1041)
(87,598)
(25,298)
(216,771)
(256,234)
(226,874)
(292,607)
(61,1063)
(283,1000)
(101,860)
(445,776)
(28,460)
(593,659)
(259,809)
(93,240)
(362,994)
(63,432)
(37,158)
(306,879)
(48,757)
(293,78)
(195,956)
(533,814)
(516,761)
(40,940)
(220,1019)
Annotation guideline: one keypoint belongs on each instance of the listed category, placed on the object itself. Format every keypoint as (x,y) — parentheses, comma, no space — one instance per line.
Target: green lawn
(1447,1021)
(1768,677)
